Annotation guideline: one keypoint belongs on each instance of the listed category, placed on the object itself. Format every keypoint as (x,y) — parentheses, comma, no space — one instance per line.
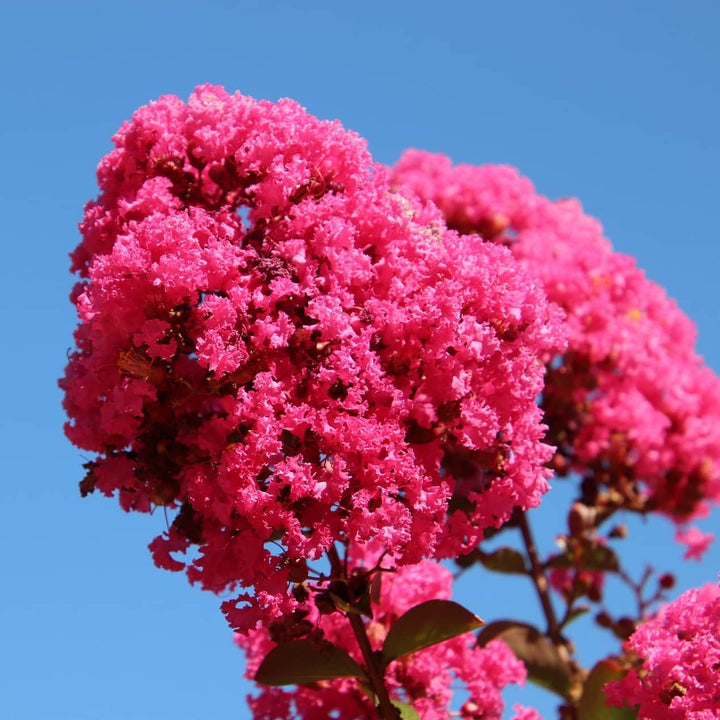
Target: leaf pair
(301,661)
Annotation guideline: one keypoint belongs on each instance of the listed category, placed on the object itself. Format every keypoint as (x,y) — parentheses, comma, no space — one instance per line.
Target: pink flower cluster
(629,405)
(292,354)
(422,680)
(572,583)
(680,653)
(696,542)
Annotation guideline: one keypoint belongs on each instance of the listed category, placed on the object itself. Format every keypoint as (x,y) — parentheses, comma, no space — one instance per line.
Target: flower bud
(324,603)
(667,581)
(603,619)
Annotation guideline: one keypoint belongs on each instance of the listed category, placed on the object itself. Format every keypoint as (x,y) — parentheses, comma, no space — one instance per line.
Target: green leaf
(362,607)
(575,613)
(407,712)
(601,557)
(598,557)
(301,661)
(363,603)
(427,624)
(560,561)
(376,588)
(546,665)
(504,560)
(592,703)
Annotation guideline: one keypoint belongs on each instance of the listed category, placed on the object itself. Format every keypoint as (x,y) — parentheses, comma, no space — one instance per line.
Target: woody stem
(539,579)
(386,710)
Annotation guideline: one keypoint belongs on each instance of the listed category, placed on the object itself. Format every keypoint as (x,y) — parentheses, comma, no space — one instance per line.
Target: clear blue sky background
(613,102)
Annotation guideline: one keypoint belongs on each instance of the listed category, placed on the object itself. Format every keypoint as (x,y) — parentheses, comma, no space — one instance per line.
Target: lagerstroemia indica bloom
(629,402)
(291,354)
(680,654)
(422,680)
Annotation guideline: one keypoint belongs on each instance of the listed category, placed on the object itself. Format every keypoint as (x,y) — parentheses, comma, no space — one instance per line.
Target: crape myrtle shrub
(329,373)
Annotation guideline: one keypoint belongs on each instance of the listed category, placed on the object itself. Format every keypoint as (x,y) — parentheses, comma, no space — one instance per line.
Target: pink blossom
(629,404)
(680,654)
(697,542)
(423,679)
(572,583)
(523,713)
(288,353)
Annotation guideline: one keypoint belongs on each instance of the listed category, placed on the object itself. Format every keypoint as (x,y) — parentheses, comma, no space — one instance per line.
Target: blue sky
(616,103)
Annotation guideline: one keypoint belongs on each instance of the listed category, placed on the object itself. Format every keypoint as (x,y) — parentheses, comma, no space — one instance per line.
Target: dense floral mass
(291,354)
(422,680)
(333,375)
(679,651)
(630,405)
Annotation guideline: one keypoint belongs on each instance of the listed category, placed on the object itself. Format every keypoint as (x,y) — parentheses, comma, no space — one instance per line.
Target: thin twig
(539,579)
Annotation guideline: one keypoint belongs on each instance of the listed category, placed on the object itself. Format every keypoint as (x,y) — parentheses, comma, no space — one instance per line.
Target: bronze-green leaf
(601,557)
(427,624)
(505,560)
(561,560)
(376,588)
(546,665)
(362,607)
(407,712)
(575,613)
(592,703)
(597,557)
(302,661)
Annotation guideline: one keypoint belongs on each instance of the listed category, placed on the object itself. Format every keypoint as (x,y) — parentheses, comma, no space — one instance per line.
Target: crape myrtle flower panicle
(425,679)
(629,405)
(679,650)
(290,354)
